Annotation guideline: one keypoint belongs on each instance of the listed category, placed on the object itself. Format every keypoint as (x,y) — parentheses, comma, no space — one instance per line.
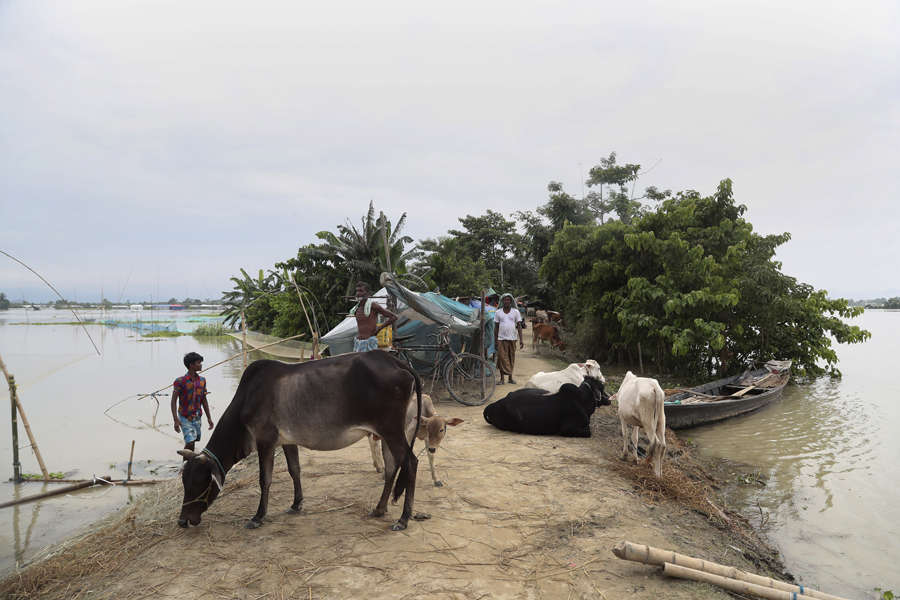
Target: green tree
(252,298)
(619,199)
(695,289)
(4,301)
(361,253)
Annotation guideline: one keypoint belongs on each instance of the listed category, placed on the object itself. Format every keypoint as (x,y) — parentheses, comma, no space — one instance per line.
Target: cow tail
(403,478)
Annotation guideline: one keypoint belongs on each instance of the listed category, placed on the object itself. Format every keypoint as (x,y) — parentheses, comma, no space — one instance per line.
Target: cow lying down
(574,374)
(566,413)
(432,429)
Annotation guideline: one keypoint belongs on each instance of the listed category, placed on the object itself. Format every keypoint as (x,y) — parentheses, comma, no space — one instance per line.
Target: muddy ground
(518,517)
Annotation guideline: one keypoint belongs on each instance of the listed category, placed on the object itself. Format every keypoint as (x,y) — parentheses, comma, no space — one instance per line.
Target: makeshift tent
(420,314)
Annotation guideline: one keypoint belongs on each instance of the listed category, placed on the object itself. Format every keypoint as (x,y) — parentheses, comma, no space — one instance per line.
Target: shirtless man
(366,312)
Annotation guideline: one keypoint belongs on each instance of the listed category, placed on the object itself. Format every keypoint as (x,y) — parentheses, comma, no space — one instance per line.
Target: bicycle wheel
(470,379)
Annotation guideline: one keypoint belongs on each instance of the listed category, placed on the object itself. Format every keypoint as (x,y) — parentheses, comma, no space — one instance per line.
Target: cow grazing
(432,429)
(641,406)
(567,412)
(574,374)
(548,333)
(325,404)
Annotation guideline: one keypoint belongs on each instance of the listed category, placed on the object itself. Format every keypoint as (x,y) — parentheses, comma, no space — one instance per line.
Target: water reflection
(65,389)
(829,454)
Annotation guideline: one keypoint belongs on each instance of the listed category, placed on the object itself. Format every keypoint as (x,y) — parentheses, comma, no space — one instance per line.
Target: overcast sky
(150,149)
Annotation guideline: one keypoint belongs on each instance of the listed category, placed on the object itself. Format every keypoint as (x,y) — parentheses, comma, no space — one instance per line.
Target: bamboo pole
(734,585)
(314,331)
(243,341)
(56,492)
(481,325)
(221,362)
(130,459)
(14,398)
(17,466)
(71,488)
(656,556)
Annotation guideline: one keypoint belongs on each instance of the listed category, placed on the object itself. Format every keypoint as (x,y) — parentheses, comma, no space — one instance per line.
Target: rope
(50,285)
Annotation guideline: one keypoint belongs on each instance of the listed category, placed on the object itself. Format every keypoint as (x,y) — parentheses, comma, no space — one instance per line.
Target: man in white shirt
(506,331)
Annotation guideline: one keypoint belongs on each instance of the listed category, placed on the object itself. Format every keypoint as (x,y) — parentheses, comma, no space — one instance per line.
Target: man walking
(506,321)
(366,312)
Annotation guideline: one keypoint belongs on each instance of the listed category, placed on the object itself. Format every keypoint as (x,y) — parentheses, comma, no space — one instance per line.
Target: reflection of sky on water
(65,388)
(830,454)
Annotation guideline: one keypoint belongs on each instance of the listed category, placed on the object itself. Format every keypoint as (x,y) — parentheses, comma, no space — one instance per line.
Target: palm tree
(366,252)
(247,291)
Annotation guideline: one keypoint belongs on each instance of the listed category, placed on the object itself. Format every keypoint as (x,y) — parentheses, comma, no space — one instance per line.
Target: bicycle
(470,379)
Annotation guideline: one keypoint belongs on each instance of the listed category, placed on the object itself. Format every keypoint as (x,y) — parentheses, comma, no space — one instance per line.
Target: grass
(163,334)
(38,477)
(209,330)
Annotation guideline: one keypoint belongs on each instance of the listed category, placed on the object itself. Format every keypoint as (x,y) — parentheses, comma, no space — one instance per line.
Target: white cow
(641,402)
(574,374)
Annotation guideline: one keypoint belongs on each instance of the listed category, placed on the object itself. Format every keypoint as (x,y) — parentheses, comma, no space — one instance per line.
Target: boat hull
(682,416)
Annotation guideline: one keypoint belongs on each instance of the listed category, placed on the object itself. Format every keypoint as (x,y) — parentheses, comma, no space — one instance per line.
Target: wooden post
(17,466)
(481,325)
(640,359)
(243,340)
(315,349)
(392,301)
(130,459)
(16,404)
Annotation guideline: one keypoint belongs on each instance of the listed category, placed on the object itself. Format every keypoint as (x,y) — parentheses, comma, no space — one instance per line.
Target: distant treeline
(678,281)
(6,303)
(877,303)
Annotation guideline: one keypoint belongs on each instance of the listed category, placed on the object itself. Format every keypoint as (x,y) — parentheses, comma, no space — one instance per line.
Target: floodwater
(828,449)
(831,453)
(65,387)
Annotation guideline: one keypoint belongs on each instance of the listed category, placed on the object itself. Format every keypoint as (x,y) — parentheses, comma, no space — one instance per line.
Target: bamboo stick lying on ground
(71,488)
(656,556)
(734,585)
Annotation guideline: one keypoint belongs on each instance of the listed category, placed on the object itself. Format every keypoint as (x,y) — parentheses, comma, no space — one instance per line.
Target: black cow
(324,404)
(567,412)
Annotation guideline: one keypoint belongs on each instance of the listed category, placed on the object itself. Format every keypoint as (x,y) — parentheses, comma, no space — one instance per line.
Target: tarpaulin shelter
(420,314)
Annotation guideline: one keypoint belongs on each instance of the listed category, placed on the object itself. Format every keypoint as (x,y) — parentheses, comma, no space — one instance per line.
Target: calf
(545,332)
(432,429)
(574,374)
(566,413)
(641,406)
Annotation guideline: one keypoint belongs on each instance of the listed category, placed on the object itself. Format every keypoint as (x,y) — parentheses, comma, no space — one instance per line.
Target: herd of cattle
(321,405)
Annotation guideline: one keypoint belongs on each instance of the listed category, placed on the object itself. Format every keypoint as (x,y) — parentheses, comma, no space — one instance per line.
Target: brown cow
(546,332)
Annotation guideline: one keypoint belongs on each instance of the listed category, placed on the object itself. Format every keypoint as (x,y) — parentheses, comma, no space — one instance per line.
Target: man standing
(366,312)
(506,330)
(189,392)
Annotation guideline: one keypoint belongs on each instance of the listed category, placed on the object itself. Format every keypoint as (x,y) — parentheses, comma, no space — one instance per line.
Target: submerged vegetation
(678,280)
(163,334)
(210,330)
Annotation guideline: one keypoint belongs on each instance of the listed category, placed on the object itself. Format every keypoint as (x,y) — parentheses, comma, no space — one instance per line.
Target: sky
(151,149)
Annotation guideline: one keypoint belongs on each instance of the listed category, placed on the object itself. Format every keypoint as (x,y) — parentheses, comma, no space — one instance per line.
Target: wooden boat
(727,397)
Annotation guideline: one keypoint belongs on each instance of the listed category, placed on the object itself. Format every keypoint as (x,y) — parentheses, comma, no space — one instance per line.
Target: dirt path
(518,517)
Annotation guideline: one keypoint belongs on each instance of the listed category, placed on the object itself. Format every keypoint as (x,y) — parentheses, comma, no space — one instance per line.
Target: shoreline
(519,516)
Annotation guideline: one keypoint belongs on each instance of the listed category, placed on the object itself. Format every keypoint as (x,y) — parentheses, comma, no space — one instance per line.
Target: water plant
(38,477)
(163,334)
(210,330)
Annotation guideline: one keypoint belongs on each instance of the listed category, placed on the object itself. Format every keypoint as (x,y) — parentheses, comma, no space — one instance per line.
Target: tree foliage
(696,288)
(681,279)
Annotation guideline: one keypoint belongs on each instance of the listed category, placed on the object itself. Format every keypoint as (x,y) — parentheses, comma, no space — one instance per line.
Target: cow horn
(189,454)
